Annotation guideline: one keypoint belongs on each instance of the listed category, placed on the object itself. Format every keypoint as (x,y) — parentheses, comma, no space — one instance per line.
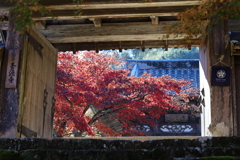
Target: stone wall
(98,149)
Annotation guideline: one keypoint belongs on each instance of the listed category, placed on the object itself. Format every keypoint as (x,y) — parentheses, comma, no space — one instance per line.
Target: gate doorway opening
(180,64)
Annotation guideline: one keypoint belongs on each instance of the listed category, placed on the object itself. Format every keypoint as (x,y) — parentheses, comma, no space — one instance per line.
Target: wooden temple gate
(26,105)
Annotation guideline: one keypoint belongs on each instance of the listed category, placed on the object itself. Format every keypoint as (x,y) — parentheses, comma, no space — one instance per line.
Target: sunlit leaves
(21,13)
(194,21)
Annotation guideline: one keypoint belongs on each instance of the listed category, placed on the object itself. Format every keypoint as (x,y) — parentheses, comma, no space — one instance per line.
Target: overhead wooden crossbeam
(117,9)
(118,24)
(110,8)
(136,31)
(121,45)
(69,15)
(89,5)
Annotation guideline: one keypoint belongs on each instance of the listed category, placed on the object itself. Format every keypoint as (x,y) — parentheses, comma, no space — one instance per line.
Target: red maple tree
(118,103)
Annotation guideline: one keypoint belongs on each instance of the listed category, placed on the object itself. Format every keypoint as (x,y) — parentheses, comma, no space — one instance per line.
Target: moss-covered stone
(44,155)
(139,155)
(33,143)
(88,155)
(122,144)
(86,144)
(9,155)
(8,143)
(81,149)
(160,153)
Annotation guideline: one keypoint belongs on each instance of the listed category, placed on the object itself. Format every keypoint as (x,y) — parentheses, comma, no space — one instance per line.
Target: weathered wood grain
(124,45)
(120,15)
(108,32)
(39,75)
(122,5)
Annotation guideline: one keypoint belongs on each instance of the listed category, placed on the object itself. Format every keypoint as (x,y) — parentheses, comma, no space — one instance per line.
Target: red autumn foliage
(86,81)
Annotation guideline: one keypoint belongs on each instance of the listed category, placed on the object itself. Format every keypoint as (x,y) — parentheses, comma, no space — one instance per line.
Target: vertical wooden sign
(12,69)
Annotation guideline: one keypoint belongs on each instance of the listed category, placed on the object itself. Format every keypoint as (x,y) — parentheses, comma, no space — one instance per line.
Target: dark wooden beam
(122,45)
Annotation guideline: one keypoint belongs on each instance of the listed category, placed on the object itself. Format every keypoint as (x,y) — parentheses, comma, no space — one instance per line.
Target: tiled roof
(235,36)
(2,45)
(178,69)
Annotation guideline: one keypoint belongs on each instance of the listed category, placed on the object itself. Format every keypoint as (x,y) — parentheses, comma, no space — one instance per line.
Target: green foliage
(78,3)
(21,13)
(197,20)
(8,155)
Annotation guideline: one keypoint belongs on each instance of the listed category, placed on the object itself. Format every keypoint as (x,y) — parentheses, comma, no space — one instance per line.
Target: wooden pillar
(218,116)
(9,83)
(237,107)
(204,89)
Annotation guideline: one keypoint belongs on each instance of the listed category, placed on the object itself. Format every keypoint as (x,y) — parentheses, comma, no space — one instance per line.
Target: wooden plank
(43,39)
(78,30)
(108,32)
(220,38)
(127,37)
(40,75)
(4,4)
(124,45)
(28,133)
(72,17)
(121,5)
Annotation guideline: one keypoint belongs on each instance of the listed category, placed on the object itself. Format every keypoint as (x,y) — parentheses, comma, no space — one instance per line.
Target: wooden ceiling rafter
(123,45)
(116,24)
(123,15)
(136,31)
(121,5)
